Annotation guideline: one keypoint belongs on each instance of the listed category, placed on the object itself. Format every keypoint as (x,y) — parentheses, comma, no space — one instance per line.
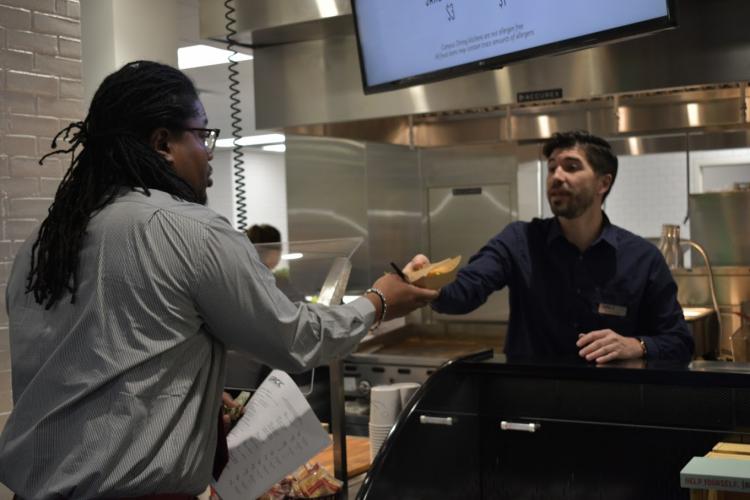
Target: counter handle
(519,426)
(426,419)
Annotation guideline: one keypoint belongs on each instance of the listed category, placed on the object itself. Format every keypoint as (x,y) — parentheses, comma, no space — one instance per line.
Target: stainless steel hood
(307,80)
(273,22)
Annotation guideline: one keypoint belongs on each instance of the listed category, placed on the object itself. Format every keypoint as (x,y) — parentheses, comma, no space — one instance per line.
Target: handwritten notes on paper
(278,433)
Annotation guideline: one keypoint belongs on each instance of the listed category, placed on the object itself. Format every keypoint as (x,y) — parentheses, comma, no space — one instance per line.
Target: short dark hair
(597,150)
(264,233)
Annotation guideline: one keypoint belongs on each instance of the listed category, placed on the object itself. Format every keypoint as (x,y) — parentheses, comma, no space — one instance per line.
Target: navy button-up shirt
(620,282)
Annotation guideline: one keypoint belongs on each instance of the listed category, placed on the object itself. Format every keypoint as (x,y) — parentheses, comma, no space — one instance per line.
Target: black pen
(399,272)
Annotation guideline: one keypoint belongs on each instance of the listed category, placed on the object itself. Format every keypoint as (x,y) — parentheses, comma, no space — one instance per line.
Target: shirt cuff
(652,348)
(435,304)
(365,309)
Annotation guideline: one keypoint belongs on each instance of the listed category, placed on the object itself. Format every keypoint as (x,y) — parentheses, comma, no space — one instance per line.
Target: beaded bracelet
(382,303)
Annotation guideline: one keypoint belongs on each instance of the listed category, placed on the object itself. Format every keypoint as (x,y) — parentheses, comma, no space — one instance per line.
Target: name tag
(613,310)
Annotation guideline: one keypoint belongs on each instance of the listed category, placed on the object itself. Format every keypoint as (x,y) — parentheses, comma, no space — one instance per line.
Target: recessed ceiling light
(196,56)
(276,148)
(252,140)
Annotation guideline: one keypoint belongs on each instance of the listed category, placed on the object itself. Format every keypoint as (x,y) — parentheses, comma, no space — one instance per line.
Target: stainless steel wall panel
(394,130)
(319,82)
(339,188)
(683,110)
(461,223)
(441,133)
(643,145)
(394,206)
(470,166)
(540,123)
(680,142)
(327,197)
(726,139)
(642,120)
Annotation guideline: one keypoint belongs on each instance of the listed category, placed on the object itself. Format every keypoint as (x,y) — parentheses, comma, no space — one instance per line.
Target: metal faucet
(670,246)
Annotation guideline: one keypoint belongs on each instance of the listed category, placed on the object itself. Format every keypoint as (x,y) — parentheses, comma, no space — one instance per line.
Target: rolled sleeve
(487,271)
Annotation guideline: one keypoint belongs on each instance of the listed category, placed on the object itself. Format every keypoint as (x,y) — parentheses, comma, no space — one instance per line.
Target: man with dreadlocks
(122,305)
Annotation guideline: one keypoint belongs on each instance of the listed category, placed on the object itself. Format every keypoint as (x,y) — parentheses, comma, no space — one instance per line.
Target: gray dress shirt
(118,394)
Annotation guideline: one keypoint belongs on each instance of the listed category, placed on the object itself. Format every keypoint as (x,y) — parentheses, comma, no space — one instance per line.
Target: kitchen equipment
(704,329)
(741,344)
(406,357)
(670,247)
(413,352)
(456,228)
(732,290)
(719,221)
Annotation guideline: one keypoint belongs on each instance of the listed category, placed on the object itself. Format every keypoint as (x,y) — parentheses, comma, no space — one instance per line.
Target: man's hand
(603,346)
(229,407)
(402,297)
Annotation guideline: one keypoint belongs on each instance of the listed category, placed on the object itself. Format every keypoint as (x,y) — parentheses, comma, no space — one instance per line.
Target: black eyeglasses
(208,136)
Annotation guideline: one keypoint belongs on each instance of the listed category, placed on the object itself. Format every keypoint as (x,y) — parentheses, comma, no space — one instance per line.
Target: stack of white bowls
(386,403)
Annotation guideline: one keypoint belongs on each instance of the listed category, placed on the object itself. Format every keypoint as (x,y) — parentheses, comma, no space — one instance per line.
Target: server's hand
(418,262)
(603,346)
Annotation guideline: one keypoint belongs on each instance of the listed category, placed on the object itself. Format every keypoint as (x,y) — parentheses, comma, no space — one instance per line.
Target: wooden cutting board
(357,456)
(733,448)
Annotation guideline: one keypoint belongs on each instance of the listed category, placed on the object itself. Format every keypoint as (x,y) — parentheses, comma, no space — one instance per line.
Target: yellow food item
(309,481)
(435,275)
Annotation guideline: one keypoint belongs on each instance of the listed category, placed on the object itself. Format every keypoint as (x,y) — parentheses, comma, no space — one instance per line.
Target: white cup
(378,435)
(379,430)
(375,445)
(385,404)
(406,391)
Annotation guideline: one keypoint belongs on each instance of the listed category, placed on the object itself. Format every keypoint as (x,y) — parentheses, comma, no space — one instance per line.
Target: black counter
(611,432)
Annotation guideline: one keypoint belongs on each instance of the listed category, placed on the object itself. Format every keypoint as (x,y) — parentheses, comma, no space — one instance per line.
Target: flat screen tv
(410,42)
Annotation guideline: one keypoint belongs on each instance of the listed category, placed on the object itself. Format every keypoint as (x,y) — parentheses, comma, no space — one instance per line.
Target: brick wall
(40,92)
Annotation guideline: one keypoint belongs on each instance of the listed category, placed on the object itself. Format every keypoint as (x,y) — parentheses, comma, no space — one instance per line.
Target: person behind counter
(268,244)
(123,303)
(270,238)
(579,285)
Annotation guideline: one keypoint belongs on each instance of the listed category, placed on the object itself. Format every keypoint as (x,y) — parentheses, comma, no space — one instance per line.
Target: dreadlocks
(115,154)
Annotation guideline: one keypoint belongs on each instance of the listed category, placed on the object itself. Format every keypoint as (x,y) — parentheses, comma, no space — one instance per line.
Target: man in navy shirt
(579,285)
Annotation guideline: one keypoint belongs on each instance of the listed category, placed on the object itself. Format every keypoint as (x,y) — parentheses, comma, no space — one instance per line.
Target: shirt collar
(555,231)
(608,234)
